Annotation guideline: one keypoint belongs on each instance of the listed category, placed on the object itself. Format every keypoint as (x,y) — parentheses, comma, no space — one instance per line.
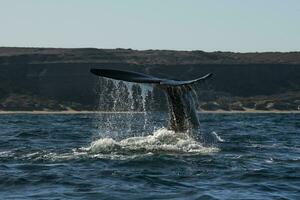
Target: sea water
(257,156)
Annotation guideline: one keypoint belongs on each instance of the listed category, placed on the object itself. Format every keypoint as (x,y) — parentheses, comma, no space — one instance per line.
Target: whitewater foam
(161,140)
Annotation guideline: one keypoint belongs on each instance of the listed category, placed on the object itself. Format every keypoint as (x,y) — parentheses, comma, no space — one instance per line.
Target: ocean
(133,156)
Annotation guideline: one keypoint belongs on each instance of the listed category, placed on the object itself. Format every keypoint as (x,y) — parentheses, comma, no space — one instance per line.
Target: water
(75,157)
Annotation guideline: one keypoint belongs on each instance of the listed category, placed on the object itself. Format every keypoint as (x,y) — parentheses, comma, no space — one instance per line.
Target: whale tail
(182,111)
(136,77)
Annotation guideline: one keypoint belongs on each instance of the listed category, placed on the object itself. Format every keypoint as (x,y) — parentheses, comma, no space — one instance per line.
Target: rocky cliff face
(59,79)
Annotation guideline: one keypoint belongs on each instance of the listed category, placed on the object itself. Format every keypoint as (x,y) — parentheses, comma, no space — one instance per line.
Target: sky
(208,25)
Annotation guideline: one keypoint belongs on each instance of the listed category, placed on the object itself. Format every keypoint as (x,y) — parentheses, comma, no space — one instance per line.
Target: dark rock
(237,106)
(261,106)
(285,106)
(249,104)
(210,106)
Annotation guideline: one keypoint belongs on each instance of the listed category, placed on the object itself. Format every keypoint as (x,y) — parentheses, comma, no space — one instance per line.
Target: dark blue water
(91,157)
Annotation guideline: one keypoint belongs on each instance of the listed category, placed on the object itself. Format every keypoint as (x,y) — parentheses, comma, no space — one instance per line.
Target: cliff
(59,79)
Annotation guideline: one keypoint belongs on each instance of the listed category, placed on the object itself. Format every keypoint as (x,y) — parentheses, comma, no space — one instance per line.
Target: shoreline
(70,112)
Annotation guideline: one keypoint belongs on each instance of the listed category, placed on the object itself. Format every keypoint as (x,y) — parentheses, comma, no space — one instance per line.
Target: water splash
(147,91)
(118,96)
(162,140)
(117,135)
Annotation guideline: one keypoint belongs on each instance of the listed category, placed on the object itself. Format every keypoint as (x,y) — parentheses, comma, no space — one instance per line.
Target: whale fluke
(136,77)
(182,111)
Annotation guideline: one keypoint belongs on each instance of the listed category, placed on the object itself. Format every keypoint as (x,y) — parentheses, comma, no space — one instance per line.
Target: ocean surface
(132,156)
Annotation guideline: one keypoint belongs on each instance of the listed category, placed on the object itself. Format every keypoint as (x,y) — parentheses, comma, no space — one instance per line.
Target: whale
(181,104)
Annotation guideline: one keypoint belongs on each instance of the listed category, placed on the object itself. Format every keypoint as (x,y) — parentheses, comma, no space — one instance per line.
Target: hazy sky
(209,25)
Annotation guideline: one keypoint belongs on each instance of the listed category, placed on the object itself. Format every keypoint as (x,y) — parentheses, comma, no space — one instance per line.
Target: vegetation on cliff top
(10,55)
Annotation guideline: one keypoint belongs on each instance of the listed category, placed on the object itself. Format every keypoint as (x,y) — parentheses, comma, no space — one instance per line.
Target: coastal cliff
(59,79)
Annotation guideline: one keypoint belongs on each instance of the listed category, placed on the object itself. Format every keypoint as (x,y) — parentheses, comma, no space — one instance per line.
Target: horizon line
(150,49)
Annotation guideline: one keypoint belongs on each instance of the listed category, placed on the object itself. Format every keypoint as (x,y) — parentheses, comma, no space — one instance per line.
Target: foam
(162,140)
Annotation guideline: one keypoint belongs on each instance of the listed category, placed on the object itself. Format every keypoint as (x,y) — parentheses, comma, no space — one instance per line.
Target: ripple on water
(56,156)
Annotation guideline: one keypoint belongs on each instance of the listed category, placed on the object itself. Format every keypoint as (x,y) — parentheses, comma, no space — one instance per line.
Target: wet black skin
(182,111)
